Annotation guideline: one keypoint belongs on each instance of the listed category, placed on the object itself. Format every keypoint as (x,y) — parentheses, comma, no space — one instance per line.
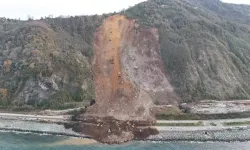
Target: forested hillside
(204,44)
(47,63)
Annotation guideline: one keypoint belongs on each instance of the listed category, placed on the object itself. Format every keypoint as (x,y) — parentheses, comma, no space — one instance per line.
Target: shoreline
(231,134)
(15,130)
(179,138)
(237,134)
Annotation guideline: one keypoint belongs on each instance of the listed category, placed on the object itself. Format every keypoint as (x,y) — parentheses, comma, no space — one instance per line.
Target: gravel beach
(226,135)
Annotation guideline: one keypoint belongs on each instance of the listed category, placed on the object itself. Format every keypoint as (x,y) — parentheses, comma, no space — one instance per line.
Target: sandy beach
(75,141)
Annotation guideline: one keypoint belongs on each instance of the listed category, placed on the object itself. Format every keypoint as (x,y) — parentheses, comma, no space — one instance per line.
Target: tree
(30,18)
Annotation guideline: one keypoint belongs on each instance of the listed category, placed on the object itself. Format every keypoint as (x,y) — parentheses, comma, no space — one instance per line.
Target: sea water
(20,141)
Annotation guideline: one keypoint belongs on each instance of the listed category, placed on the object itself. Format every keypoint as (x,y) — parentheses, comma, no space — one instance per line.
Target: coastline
(236,134)
(230,134)
(51,128)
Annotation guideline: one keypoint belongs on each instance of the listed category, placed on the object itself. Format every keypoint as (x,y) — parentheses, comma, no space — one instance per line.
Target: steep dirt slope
(127,69)
(128,78)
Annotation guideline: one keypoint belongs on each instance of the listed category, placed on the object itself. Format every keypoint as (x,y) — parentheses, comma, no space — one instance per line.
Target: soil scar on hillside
(128,72)
(116,94)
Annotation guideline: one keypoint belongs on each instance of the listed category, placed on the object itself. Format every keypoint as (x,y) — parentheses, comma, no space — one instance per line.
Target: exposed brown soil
(129,77)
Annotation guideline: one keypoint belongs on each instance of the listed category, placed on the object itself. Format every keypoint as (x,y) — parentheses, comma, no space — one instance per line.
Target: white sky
(40,8)
(237,1)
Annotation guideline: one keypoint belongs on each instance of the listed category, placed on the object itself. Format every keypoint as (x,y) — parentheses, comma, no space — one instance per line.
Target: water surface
(15,141)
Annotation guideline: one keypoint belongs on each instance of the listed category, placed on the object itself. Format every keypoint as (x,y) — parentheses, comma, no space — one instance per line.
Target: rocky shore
(227,135)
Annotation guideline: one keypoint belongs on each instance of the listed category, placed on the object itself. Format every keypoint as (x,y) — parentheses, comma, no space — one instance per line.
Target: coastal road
(34,117)
(216,121)
(207,124)
(66,117)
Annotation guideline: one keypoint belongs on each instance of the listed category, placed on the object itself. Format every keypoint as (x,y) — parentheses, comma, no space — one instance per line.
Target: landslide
(129,77)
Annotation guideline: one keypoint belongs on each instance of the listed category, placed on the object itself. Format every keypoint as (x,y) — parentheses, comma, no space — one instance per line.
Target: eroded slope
(127,69)
(128,78)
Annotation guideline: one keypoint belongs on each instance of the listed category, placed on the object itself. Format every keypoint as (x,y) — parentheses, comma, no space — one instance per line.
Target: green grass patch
(236,123)
(213,124)
(180,124)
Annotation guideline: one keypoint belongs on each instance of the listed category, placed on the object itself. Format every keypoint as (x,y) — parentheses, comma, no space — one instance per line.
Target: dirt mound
(128,78)
(113,131)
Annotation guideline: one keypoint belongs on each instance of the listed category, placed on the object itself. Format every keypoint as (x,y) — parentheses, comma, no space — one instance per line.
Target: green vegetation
(180,124)
(23,108)
(76,113)
(205,56)
(236,123)
(64,100)
(47,63)
(213,124)
(173,111)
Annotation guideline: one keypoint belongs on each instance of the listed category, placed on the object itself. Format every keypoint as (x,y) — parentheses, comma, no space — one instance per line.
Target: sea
(28,141)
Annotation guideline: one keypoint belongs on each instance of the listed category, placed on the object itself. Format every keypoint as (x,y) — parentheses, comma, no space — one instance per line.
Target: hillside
(204,46)
(47,63)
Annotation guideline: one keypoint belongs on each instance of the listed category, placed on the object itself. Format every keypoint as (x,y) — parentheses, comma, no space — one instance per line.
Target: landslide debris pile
(113,131)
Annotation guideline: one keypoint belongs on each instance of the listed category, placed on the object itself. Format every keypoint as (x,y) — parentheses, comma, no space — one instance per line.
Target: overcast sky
(40,8)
